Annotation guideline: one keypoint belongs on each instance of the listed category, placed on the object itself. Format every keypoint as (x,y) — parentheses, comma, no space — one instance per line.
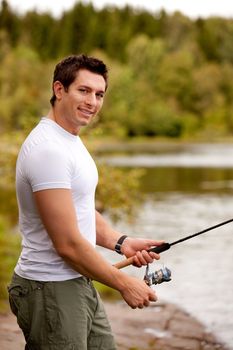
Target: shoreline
(161,326)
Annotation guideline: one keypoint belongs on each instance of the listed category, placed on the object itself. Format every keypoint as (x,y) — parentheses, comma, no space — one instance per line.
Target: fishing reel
(157,277)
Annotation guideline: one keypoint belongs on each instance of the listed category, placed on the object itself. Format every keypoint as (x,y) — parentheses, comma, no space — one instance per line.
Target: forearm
(105,235)
(83,258)
(137,247)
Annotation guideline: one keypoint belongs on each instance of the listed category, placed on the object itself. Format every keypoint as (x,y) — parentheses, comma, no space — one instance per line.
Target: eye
(100,95)
(82,90)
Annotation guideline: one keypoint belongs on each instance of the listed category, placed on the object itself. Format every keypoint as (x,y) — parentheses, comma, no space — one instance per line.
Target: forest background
(171,77)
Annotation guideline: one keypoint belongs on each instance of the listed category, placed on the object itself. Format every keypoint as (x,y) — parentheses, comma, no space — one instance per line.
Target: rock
(158,327)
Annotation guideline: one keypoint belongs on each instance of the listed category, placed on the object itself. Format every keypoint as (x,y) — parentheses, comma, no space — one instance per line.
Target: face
(77,106)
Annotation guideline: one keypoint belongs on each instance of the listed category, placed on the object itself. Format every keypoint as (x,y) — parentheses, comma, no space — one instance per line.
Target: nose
(90,99)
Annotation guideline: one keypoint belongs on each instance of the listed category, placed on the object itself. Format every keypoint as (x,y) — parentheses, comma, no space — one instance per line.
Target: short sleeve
(47,167)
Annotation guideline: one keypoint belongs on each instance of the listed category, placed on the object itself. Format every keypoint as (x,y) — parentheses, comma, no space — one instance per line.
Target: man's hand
(137,294)
(138,247)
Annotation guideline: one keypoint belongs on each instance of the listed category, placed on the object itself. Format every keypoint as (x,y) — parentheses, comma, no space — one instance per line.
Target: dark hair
(66,70)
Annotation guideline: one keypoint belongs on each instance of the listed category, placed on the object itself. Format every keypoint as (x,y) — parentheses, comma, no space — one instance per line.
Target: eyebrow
(90,88)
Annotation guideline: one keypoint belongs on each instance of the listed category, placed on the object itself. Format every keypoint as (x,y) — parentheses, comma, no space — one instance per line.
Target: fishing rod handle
(124,263)
(158,249)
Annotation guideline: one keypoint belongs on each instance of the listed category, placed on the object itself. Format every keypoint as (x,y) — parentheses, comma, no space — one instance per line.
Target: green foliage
(111,29)
(118,191)
(23,94)
(10,23)
(106,292)
(9,146)
(214,37)
(207,93)
(40,33)
(175,77)
(167,72)
(144,58)
(9,251)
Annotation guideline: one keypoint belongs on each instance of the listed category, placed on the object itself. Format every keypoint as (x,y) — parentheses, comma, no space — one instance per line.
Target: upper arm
(48,166)
(57,212)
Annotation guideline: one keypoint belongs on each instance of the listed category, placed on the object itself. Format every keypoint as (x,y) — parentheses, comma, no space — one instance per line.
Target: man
(51,292)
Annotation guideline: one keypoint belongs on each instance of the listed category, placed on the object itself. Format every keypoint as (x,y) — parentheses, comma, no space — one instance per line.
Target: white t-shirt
(50,158)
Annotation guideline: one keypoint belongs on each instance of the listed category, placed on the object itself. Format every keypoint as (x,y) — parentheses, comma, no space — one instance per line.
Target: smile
(86,112)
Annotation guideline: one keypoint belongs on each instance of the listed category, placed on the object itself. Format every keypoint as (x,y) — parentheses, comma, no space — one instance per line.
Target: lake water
(187,189)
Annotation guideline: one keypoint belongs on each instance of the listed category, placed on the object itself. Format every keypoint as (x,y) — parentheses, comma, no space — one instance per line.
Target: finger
(132,305)
(153,297)
(142,257)
(147,257)
(154,256)
(136,262)
(146,303)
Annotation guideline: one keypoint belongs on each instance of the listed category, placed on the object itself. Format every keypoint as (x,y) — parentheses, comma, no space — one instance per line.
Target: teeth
(86,112)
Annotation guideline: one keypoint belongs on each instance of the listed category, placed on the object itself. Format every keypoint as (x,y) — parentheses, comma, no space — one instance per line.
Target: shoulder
(42,141)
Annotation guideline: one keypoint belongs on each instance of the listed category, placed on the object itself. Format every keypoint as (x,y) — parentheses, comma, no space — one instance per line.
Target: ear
(58,89)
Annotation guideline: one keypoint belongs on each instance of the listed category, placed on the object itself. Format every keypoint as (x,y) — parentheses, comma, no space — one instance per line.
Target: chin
(86,120)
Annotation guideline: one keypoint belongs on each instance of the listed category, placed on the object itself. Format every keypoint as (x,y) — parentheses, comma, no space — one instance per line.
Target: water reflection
(193,180)
(185,168)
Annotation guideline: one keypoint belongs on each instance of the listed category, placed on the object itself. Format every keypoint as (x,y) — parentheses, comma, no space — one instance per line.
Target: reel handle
(129,261)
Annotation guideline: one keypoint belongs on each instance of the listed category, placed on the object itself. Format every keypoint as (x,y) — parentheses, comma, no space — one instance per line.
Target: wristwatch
(119,244)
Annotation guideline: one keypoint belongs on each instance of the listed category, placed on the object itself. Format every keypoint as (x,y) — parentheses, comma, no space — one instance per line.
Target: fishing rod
(166,246)
(164,275)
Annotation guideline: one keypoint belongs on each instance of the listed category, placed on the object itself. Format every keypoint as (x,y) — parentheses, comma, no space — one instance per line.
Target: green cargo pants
(64,315)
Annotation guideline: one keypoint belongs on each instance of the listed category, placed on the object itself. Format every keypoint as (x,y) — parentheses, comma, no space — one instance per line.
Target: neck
(53,115)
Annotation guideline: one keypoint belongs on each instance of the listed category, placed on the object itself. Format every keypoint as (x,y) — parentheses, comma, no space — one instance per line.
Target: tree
(207,95)
(215,38)
(76,29)
(175,80)
(178,30)
(9,22)
(40,32)
(25,89)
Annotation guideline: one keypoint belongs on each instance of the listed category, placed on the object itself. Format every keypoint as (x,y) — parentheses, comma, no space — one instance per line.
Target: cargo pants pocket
(19,306)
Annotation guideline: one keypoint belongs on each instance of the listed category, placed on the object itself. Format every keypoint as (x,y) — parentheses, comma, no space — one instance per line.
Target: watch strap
(119,244)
